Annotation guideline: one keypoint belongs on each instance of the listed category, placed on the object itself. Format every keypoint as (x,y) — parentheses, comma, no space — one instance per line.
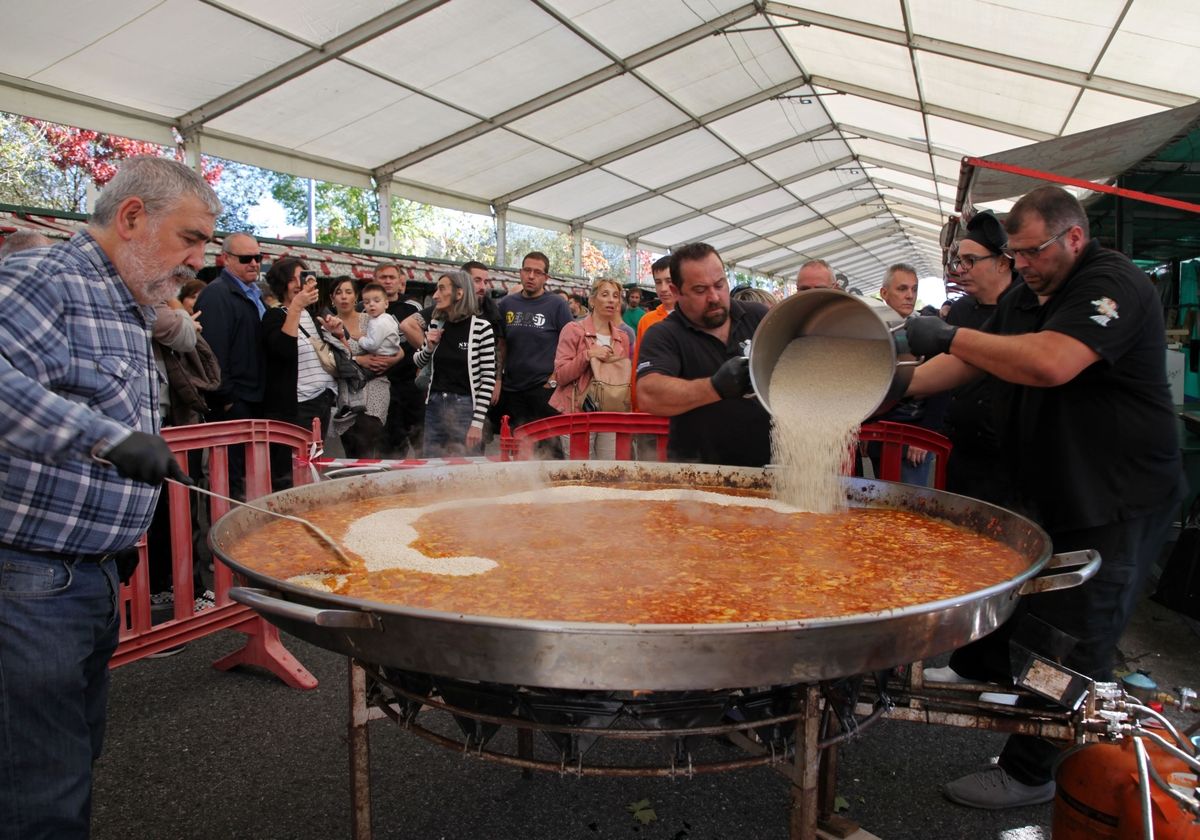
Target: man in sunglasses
(1091,436)
(230,310)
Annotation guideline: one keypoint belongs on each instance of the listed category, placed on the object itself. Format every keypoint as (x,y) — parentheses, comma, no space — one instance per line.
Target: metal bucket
(833,313)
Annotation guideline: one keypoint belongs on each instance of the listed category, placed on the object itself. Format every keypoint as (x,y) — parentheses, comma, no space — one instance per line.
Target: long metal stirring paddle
(317,532)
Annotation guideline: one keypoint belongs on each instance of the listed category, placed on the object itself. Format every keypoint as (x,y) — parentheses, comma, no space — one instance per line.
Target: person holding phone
(298,390)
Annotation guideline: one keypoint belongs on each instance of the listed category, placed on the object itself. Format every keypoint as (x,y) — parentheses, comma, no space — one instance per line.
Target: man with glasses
(1092,440)
(532,322)
(230,309)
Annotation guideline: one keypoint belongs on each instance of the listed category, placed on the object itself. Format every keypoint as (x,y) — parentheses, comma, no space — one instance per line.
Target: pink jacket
(572,369)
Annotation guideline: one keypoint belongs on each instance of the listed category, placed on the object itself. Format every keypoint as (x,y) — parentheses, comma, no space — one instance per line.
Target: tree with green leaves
(344,213)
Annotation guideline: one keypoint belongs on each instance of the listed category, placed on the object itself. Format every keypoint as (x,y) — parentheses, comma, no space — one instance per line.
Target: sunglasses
(245,259)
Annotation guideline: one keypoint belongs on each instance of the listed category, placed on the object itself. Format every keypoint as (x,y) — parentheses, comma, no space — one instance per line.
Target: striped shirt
(76,371)
(311,379)
(481,366)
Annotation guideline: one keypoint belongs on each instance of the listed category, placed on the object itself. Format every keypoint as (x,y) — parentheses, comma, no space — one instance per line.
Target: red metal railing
(894,437)
(518,444)
(139,636)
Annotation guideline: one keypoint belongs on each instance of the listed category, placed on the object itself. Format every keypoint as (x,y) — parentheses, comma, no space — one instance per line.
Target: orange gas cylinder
(1098,796)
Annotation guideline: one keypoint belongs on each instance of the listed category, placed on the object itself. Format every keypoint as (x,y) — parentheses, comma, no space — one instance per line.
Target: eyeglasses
(965,262)
(245,259)
(533,272)
(1029,253)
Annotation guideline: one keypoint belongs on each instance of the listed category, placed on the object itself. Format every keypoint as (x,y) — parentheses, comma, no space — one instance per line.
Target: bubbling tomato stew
(630,555)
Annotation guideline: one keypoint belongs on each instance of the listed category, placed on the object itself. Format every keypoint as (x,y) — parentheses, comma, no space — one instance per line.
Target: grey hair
(893,270)
(466,305)
(823,264)
(23,240)
(159,182)
(227,242)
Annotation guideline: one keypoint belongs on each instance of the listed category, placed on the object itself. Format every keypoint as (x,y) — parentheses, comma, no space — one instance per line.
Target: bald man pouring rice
(80,463)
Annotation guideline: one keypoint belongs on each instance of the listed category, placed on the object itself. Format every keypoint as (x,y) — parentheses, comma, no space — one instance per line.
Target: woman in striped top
(298,390)
(460,352)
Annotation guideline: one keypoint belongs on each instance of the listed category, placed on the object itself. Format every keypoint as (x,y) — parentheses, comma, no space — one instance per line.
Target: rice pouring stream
(822,388)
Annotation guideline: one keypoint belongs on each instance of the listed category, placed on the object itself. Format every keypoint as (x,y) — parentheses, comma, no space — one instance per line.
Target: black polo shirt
(1103,447)
(975,409)
(735,431)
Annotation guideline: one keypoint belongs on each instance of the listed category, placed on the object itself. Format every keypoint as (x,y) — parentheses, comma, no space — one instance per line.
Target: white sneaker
(993,789)
(945,674)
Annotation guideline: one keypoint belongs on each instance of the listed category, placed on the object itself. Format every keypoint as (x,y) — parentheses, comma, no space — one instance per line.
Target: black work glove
(732,379)
(928,335)
(146,458)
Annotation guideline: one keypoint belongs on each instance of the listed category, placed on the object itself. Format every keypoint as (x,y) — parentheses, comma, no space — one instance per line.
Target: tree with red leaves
(98,154)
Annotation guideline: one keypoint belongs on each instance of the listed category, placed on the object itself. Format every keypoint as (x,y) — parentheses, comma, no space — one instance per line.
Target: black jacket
(283,360)
(234,332)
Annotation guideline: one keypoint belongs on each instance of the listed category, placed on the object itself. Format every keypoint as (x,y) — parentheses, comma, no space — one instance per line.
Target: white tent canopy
(778,132)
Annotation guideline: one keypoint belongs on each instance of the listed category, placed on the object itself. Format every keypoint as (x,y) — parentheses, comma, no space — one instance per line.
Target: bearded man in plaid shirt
(80,467)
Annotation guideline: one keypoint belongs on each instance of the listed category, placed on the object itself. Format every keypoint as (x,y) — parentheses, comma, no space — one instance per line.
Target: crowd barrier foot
(265,649)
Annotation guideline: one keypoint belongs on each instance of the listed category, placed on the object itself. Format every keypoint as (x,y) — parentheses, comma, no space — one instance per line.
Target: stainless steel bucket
(833,313)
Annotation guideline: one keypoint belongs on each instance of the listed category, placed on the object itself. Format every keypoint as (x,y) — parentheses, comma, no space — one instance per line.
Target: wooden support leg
(802,819)
(525,749)
(360,754)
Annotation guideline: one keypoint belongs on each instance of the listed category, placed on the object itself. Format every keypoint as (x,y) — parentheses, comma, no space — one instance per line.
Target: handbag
(609,388)
(324,352)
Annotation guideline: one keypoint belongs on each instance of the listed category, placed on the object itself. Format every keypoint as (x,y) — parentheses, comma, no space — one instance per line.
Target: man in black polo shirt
(1092,435)
(692,368)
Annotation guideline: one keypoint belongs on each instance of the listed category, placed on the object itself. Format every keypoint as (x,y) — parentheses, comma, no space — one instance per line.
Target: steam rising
(385,539)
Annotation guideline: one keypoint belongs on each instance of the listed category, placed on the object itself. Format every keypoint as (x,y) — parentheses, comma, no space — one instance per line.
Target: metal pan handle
(267,603)
(1080,566)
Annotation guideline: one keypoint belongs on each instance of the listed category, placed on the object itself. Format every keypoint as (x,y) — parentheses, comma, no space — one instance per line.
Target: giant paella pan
(723,649)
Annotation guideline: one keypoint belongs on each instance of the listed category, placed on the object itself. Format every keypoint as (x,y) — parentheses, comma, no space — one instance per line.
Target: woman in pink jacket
(598,337)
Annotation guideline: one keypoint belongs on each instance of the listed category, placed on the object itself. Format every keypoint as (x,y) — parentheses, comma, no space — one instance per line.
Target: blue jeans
(447,419)
(58,629)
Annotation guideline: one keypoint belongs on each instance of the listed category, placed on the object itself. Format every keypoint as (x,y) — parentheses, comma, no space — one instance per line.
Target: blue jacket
(234,332)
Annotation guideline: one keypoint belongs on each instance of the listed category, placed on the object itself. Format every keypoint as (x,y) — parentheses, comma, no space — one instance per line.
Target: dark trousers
(238,409)
(980,474)
(320,408)
(367,438)
(531,404)
(1094,614)
(406,421)
(59,619)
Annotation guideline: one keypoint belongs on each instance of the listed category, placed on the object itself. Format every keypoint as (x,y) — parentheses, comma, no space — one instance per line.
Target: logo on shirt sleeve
(1106,310)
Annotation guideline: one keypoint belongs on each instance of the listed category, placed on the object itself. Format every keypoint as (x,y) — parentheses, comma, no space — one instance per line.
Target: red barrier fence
(518,444)
(894,437)
(139,636)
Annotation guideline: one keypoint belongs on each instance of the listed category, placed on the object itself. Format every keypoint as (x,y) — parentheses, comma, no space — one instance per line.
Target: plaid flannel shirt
(76,373)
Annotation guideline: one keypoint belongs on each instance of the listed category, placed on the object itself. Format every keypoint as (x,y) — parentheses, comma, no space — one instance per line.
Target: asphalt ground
(193,752)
